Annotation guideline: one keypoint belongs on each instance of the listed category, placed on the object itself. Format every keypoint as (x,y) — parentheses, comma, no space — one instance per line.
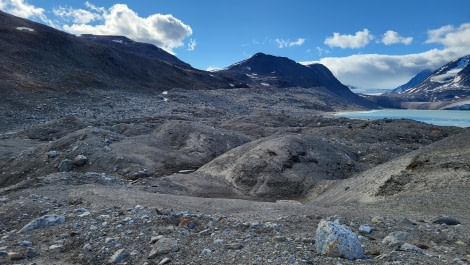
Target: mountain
(420,77)
(37,59)
(125,44)
(35,56)
(263,70)
(449,82)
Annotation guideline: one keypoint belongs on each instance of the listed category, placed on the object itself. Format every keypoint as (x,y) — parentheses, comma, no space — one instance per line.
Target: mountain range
(40,58)
(447,87)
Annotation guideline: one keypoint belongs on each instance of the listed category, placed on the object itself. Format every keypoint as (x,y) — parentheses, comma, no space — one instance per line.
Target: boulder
(43,221)
(65,166)
(334,240)
(80,160)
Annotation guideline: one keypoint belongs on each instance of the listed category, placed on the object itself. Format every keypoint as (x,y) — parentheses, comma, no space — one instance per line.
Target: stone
(396,237)
(411,248)
(365,229)
(14,256)
(335,240)
(118,256)
(164,261)
(234,246)
(55,246)
(206,251)
(80,160)
(87,247)
(52,154)
(163,246)
(65,166)
(4,199)
(43,221)
(154,239)
(31,253)
(445,220)
(279,239)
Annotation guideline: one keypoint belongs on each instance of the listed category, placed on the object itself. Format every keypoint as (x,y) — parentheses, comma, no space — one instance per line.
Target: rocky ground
(224,177)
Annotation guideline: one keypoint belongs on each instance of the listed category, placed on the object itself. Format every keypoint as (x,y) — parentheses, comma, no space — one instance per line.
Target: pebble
(163,246)
(14,256)
(233,246)
(397,236)
(24,243)
(365,229)
(52,154)
(411,248)
(118,256)
(164,261)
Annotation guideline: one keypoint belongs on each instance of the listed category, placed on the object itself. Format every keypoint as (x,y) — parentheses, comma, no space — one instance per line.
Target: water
(459,118)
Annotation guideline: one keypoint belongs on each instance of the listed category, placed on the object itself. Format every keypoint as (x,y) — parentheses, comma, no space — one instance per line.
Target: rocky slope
(451,81)
(262,70)
(446,88)
(235,176)
(95,171)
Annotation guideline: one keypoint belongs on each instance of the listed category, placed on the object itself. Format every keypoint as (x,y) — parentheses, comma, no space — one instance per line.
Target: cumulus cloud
(23,9)
(380,71)
(165,31)
(287,43)
(392,37)
(359,40)
(451,36)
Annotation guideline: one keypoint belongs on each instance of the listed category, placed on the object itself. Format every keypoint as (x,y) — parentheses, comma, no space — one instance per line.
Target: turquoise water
(459,118)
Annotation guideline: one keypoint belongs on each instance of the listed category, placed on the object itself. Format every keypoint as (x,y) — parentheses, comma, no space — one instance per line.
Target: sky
(370,45)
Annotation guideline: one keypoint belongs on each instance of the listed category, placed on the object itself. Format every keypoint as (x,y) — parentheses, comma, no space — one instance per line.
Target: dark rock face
(64,62)
(262,70)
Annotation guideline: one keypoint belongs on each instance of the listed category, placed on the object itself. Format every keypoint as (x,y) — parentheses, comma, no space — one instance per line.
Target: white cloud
(79,16)
(392,37)
(23,9)
(165,31)
(450,36)
(381,71)
(191,45)
(359,40)
(287,43)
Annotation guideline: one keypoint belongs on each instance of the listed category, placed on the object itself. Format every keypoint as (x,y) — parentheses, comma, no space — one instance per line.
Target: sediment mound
(278,167)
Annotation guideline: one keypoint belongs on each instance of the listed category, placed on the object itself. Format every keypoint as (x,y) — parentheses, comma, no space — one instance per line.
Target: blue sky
(369,44)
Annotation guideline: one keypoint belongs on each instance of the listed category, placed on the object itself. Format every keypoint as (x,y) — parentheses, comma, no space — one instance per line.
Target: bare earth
(223,177)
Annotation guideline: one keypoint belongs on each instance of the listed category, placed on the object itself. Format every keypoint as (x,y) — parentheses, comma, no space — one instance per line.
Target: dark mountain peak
(264,70)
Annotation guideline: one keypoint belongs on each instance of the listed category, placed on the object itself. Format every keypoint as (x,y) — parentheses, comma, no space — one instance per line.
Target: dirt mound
(279,167)
(434,176)
(152,148)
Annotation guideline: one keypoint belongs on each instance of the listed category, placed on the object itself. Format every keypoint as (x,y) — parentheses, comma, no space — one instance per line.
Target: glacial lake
(459,118)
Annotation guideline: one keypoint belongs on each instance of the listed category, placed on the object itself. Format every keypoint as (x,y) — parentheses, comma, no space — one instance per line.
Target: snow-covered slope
(449,82)
(420,77)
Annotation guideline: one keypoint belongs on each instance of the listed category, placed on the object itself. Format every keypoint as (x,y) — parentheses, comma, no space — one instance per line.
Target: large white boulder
(335,240)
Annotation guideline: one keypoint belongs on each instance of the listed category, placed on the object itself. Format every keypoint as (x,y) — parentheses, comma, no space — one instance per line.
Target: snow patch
(451,74)
(25,28)
(118,41)
(264,84)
